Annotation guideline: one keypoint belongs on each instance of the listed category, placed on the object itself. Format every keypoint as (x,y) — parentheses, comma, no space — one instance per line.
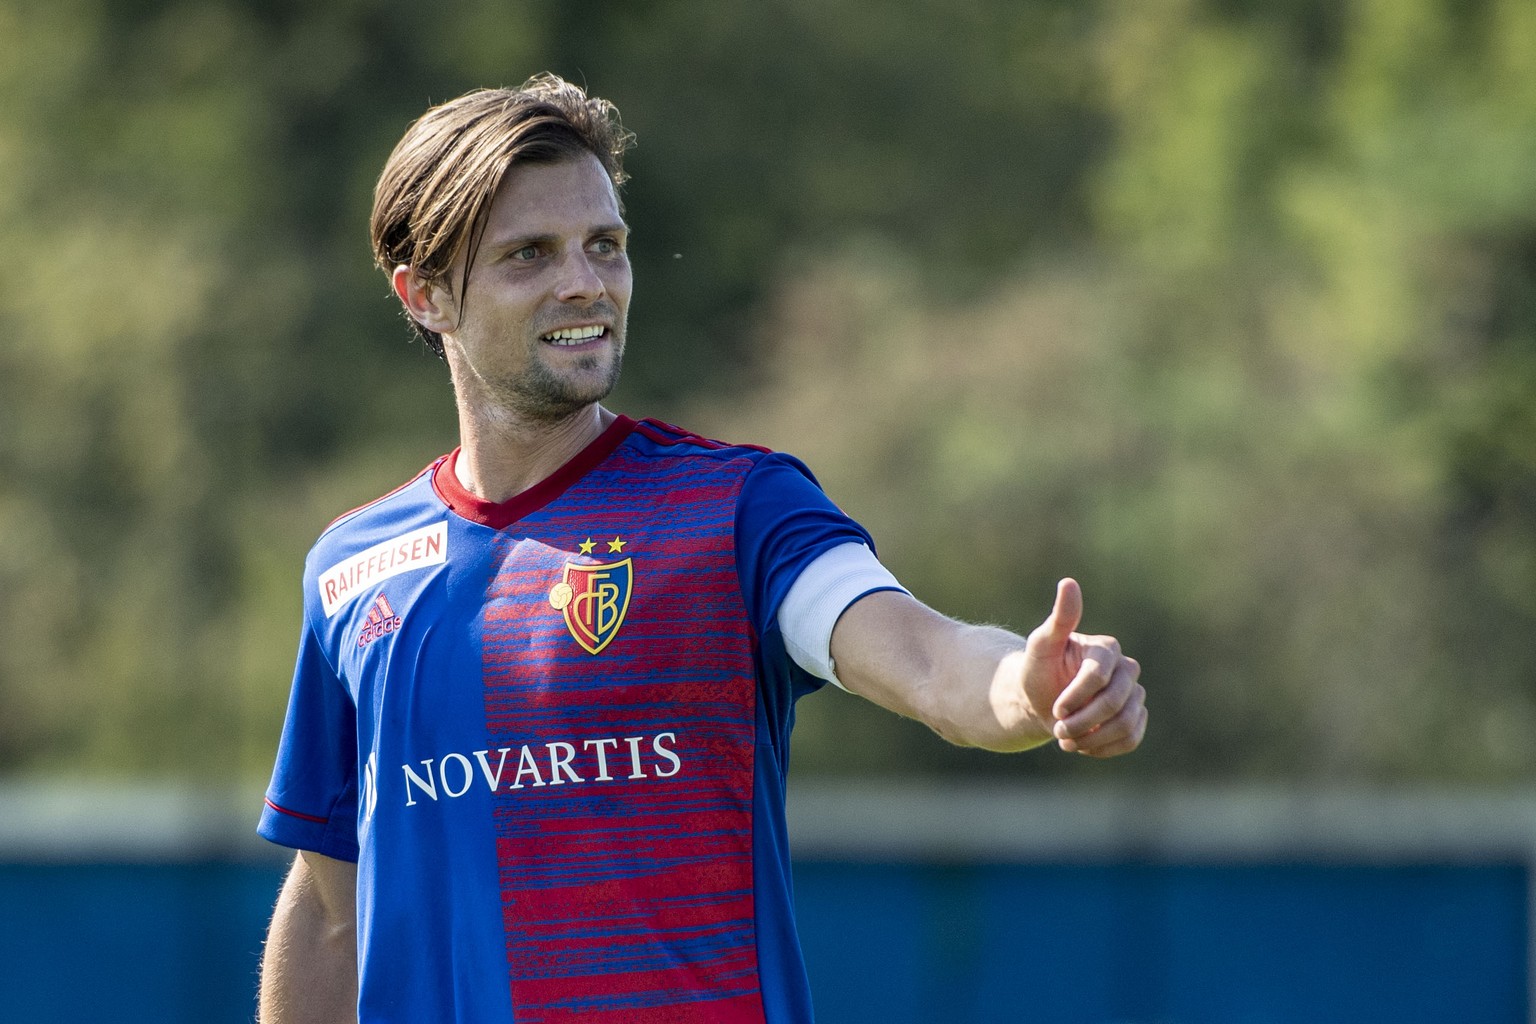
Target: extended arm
(309,969)
(985,687)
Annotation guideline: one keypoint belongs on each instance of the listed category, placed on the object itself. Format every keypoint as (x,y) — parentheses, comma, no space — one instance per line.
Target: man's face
(540,328)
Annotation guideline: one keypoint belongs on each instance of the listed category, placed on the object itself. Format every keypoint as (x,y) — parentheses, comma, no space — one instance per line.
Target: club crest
(593,599)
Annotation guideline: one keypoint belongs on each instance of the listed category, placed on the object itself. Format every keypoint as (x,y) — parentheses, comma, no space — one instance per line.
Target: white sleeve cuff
(821,593)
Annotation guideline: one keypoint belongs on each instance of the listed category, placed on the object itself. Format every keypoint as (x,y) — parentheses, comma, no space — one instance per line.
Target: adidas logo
(381,621)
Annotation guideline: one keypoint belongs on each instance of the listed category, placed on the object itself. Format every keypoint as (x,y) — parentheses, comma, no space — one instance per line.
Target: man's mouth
(574,335)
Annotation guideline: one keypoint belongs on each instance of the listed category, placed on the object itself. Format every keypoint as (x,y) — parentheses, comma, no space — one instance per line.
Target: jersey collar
(500,515)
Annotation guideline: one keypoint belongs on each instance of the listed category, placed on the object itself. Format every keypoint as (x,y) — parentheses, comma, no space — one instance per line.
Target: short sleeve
(311,803)
(784,521)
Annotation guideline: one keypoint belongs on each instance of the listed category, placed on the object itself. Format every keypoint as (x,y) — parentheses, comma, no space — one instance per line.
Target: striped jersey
(553,734)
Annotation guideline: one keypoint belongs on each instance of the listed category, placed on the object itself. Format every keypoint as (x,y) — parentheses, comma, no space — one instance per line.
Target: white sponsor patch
(350,577)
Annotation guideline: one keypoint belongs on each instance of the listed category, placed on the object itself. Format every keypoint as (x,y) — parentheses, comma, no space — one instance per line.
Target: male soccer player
(535,750)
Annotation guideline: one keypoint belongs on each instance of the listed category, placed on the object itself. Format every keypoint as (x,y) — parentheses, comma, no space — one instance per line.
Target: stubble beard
(542,395)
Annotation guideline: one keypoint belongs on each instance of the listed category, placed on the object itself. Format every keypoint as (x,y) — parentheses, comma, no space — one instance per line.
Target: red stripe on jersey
(663,432)
(383,497)
(296,814)
(625,850)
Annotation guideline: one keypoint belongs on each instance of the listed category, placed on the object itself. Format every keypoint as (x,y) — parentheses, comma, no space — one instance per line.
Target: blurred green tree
(1227,308)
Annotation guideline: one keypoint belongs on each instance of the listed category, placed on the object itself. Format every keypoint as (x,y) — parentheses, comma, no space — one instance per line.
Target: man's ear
(429,305)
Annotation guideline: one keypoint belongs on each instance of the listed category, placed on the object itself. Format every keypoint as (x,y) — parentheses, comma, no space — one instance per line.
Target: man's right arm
(309,968)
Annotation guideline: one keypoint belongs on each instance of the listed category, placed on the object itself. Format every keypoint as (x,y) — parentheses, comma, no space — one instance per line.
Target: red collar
(500,515)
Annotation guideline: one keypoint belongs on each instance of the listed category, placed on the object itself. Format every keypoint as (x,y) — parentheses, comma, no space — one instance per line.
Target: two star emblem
(615,546)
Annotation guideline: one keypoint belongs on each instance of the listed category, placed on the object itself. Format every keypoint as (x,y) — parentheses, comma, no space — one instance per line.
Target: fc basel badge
(593,599)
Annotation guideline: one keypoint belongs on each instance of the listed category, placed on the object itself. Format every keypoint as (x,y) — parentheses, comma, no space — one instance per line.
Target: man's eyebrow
(518,241)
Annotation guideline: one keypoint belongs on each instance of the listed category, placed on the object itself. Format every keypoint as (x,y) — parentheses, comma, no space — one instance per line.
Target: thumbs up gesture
(1081,685)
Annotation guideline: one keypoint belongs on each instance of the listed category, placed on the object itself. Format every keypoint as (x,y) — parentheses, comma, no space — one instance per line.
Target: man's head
(432,200)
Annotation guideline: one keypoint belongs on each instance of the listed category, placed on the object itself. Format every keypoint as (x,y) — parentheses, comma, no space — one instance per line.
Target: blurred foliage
(1227,308)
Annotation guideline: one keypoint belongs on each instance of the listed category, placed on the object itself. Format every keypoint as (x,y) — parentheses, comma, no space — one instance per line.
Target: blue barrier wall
(1109,943)
(1114,944)
(132,943)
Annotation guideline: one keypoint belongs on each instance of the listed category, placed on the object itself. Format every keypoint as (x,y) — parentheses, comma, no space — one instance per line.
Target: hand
(1080,686)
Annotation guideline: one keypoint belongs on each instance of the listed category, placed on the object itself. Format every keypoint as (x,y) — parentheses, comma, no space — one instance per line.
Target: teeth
(574,335)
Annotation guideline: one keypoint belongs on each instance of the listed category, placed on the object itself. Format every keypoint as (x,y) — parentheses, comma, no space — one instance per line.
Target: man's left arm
(986,687)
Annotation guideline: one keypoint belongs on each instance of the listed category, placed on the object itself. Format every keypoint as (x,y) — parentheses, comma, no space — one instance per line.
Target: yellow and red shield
(593,599)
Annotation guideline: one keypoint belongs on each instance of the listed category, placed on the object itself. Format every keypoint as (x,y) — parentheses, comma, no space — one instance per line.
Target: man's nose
(579,281)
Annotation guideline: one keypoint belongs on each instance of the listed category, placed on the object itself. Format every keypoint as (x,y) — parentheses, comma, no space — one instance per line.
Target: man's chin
(551,397)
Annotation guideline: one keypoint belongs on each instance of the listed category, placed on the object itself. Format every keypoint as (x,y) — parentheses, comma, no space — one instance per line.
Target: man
(535,751)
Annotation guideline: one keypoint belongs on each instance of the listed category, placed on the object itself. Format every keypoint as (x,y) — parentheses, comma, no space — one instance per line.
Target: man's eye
(605,246)
(527,252)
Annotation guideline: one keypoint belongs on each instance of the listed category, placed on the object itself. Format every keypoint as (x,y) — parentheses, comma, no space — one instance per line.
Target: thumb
(1065,615)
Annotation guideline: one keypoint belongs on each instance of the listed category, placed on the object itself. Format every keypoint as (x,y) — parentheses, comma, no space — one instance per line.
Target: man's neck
(501,457)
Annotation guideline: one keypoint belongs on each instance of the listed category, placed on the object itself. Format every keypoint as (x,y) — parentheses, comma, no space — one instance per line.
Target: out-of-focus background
(1227,308)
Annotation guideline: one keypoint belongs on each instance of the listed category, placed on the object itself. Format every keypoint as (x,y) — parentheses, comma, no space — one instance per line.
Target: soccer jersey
(553,733)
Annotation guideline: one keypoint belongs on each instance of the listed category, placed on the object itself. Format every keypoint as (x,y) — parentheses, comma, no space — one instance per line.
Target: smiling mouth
(574,335)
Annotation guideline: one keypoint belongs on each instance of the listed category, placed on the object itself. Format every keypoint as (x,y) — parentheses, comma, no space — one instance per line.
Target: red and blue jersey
(553,733)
